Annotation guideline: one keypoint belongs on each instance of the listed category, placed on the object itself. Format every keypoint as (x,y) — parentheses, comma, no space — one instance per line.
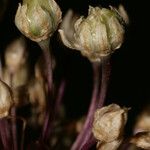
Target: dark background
(130,78)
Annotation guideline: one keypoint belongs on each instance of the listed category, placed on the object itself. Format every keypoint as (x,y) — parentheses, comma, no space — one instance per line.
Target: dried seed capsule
(38,19)
(109,123)
(96,36)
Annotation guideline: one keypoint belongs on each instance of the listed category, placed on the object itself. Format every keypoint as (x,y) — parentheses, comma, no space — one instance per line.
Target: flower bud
(109,123)
(142,140)
(96,36)
(38,19)
(5,99)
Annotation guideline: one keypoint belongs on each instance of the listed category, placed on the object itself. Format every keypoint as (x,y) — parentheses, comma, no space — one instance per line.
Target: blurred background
(130,79)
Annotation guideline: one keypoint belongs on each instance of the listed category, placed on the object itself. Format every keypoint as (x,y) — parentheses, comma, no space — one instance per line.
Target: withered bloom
(109,123)
(96,36)
(6,99)
(38,19)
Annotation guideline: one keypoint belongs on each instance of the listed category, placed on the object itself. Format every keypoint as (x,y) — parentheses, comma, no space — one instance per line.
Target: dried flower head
(114,145)
(109,123)
(96,36)
(38,19)
(6,100)
(15,55)
(142,140)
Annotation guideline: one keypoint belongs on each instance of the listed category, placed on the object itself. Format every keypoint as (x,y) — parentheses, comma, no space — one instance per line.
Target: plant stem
(48,59)
(13,113)
(49,74)
(88,123)
(60,96)
(5,134)
(106,69)
(14,128)
(105,66)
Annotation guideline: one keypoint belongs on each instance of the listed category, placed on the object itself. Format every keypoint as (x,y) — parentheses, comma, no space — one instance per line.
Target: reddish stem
(49,74)
(89,120)
(89,139)
(60,96)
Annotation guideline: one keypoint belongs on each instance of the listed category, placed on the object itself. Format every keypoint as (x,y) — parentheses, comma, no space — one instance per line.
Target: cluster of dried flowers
(97,36)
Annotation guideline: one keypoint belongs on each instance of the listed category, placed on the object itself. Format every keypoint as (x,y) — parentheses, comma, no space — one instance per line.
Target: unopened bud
(38,19)
(96,36)
(109,123)
(5,99)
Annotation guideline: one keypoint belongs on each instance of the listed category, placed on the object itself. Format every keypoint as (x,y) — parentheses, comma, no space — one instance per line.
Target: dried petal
(109,123)
(142,140)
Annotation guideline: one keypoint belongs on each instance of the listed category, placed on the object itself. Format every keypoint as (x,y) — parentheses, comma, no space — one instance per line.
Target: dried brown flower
(96,36)
(109,123)
(38,19)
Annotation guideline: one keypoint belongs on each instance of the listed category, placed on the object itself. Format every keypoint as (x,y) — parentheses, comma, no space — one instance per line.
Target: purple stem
(14,128)
(5,134)
(49,74)
(89,120)
(106,69)
(101,99)
(13,113)
(60,96)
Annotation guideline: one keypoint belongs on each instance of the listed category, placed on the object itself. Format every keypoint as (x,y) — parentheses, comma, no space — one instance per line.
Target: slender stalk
(59,96)
(13,113)
(5,134)
(48,59)
(49,74)
(88,123)
(89,139)
(106,69)
(14,128)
